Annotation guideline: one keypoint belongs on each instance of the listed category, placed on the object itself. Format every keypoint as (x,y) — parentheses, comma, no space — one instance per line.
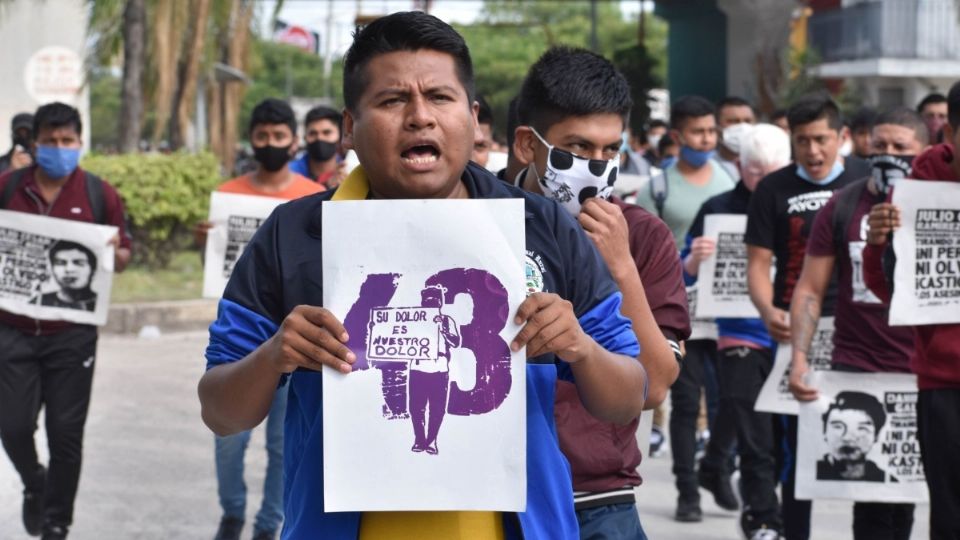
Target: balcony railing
(927,29)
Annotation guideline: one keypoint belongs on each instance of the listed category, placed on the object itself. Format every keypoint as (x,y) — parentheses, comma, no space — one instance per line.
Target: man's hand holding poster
(436,401)
(235,219)
(55,269)
(926,287)
(722,278)
(775,396)
(858,440)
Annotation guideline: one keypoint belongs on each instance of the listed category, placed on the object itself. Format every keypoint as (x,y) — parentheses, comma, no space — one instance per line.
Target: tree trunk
(131,97)
(168,16)
(237,50)
(187,93)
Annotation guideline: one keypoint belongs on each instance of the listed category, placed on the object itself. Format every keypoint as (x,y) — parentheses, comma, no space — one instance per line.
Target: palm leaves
(182,40)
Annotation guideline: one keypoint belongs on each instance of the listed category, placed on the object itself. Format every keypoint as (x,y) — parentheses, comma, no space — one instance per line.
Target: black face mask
(23,140)
(321,150)
(887,169)
(272,158)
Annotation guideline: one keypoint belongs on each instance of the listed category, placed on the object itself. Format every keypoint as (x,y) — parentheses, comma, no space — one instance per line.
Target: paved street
(148,470)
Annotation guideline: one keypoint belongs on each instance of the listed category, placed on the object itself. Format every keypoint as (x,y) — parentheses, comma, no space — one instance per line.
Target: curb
(170,316)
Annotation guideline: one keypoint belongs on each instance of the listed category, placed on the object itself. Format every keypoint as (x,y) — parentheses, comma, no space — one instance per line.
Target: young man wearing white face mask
(568,140)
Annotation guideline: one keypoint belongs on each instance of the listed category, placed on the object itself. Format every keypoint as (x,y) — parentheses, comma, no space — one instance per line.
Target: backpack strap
(847,200)
(659,191)
(11,187)
(96,197)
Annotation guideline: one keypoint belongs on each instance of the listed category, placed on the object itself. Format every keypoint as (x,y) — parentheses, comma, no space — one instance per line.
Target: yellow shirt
(418,525)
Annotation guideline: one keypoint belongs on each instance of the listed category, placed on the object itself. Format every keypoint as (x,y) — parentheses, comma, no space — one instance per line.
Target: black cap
(22,120)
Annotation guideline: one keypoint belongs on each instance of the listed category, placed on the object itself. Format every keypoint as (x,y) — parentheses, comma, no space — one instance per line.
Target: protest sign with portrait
(235,219)
(436,400)
(55,269)
(722,277)
(858,440)
(775,396)
(926,283)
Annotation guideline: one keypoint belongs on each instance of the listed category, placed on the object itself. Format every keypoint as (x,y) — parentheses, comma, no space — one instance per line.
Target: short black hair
(665,142)
(953,106)
(513,120)
(273,111)
(908,118)
(733,101)
(321,112)
(485,114)
(778,114)
(67,245)
(656,124)
(858,401)
(688,108)
(570,81)
(863,120)
(56,115)
(813,107)
(931,99)
(403,31)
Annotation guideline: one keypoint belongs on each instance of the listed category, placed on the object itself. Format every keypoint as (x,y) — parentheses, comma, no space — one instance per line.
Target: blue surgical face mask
(835,173)
(57,162)
(624,142)
(668,162)
(695,158)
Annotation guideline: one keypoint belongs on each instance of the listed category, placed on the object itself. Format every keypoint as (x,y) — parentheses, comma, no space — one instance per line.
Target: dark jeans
(742,372)
(938,415)
(611,522)
(685,406)
(55,372)
(795,513)
(882,521)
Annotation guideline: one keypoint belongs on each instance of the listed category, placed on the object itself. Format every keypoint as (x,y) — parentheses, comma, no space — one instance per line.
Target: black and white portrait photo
(851,427)
(73,266)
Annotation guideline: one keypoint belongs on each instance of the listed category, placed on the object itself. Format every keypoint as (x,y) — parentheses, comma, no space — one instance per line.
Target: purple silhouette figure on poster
(429,381)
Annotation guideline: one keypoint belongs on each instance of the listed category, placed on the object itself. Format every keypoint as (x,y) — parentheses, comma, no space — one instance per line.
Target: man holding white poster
(410,116)
(744,346)
(237,209)
(936,357)
(863,341)
(49,363)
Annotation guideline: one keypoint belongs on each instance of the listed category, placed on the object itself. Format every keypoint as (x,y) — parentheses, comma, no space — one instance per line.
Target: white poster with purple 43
(433,415)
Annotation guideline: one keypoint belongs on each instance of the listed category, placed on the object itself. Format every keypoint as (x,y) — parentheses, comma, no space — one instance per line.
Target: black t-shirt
(780,217)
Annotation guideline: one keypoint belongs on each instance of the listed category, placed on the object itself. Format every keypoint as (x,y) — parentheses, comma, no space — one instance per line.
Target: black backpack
(94,193)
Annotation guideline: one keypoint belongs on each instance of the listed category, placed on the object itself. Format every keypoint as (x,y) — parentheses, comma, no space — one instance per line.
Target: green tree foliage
(279,71)
(511,35)
(164,195)
(638,67)
(104,108)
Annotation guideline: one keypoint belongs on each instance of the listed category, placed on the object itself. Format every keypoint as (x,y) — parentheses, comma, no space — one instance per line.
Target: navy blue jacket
(282,268)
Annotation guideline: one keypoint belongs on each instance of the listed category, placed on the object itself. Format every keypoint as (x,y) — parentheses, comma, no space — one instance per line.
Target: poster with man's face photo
(858,440)
(55,269)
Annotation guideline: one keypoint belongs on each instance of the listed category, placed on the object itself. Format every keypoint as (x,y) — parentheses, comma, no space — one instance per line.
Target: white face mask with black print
(571,180)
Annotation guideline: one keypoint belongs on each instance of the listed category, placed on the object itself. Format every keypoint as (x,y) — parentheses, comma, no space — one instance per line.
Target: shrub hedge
(164,195)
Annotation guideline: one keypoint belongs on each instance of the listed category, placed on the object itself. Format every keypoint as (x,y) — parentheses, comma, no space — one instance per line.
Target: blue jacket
(281,268)
(734,201)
